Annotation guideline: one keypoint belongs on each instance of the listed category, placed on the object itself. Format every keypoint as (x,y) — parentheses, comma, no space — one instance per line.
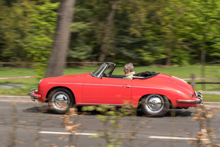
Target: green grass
(18,91)
(212,72)
(211,98)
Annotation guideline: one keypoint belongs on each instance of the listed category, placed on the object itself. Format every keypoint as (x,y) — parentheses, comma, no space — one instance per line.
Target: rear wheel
(155,105)
(60,100)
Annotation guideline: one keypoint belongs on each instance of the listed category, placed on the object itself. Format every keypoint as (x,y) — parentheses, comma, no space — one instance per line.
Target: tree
(163,23)
(57,59)
(107,31)
(141,31)
(38,41)
(14,26)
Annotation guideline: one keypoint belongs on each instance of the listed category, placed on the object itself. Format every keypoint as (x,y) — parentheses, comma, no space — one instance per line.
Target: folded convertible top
(144,75)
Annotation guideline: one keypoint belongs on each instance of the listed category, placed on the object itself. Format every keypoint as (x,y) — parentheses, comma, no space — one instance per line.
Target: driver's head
(128,68)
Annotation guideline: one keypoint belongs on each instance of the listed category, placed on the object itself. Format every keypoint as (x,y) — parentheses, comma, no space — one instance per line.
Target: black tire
(155,105)
(79,108)
(60,100)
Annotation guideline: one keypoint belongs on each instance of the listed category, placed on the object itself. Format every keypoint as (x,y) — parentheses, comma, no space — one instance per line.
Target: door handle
(127,86)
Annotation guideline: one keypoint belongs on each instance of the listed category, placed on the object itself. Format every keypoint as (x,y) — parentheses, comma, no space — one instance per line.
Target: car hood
(67,78)
(77,75)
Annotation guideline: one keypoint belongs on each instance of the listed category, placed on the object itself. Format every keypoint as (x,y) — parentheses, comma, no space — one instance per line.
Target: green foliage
(143,32)
(201,20)
(80,44)
(38,42)
(181,57)
(204,30)
(14,26)
(28,30)
(185,28)
(110,116)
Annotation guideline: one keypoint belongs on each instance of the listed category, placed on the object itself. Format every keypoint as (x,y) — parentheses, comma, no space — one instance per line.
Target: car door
(106,90)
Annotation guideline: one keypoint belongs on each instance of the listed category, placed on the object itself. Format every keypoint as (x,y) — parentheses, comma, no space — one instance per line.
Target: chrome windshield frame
(101,69)
(100,73)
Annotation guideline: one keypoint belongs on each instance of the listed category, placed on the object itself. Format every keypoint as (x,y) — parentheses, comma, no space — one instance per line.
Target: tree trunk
(203,55)
(105,41)
(169,57)
(57,59)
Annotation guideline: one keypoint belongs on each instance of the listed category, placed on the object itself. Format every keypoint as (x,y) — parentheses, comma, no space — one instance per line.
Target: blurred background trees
(141,31)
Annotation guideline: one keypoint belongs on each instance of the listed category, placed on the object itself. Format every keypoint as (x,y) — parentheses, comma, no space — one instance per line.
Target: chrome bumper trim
(33,97)
(189,101)
(200,97)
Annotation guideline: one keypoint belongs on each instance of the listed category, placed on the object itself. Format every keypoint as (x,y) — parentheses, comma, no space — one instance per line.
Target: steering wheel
(106,75)
(103,74)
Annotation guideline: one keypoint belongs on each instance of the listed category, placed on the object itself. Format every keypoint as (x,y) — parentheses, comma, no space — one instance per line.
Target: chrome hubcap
(60,100)
(154,104)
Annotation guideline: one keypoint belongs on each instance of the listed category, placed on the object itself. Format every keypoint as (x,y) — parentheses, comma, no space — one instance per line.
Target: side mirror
(101,77)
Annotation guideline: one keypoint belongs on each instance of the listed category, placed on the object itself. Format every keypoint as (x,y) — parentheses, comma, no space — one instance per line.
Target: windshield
(105,68)
(98,70)
(109,68)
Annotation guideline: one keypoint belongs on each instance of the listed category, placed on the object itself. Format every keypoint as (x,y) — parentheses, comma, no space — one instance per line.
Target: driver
(129,71)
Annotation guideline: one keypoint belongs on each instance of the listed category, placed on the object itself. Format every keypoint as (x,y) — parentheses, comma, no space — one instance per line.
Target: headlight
(39,82)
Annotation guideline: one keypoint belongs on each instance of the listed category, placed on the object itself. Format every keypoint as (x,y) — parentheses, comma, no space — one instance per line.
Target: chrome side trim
(110,85)
(189,101)
(105,85)
(149,87)
(65,83)
(87,84)
(101,104)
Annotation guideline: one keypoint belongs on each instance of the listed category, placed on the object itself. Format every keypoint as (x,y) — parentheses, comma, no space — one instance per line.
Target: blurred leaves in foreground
(112,131)
(205,136)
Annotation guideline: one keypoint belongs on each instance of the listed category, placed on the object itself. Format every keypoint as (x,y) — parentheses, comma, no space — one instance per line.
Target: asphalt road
(164,131)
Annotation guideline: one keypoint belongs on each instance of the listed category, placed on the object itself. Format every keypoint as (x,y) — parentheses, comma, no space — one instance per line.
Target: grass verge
(211,98)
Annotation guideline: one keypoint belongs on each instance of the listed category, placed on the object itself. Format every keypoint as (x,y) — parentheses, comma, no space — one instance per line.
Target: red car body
(92,90)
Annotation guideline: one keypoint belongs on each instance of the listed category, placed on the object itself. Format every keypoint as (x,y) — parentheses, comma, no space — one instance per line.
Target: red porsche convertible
(155,93)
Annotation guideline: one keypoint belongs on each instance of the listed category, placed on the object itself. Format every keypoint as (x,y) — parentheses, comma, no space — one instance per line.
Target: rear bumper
(189,101)
(197,100)
(185,103)
(33,94)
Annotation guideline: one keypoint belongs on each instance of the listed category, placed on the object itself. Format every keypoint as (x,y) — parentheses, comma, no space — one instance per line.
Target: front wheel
(155,105)
(60,100)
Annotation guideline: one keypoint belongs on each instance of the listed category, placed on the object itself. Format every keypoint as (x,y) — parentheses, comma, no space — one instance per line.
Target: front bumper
(33,94)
